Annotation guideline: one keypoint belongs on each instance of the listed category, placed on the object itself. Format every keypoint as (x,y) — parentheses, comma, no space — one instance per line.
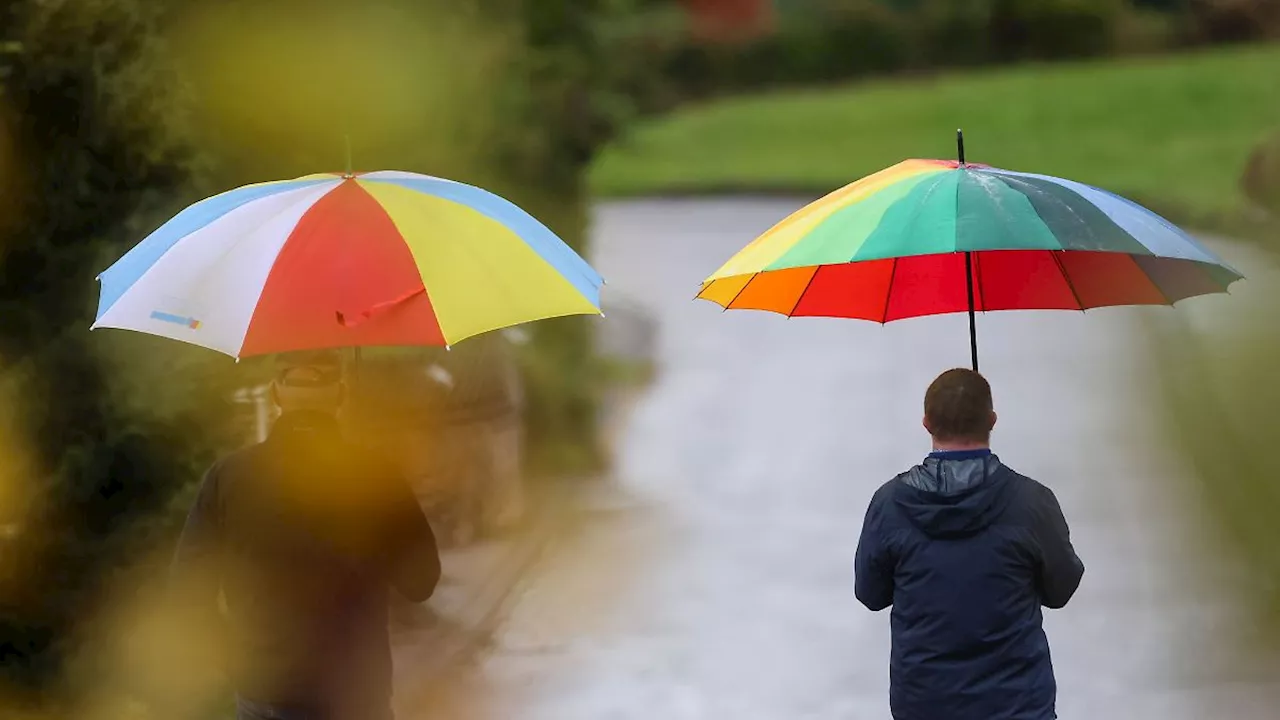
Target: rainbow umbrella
(928,237)
(344,260)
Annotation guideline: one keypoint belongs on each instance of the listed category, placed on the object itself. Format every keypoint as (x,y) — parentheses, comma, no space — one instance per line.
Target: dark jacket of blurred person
(305,535)
(967,552)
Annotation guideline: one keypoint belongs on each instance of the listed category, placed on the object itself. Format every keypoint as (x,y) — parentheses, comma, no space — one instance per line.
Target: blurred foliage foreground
(114,114)
(1217,363)
(1261,181)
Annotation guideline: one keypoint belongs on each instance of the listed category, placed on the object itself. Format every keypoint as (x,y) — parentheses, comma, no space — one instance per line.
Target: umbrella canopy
(928,237)
(350,260)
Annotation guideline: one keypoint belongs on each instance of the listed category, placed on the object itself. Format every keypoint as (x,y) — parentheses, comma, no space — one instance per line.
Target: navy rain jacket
(967,551)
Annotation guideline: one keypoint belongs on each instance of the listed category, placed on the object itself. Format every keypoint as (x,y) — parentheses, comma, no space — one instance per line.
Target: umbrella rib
(740,291)
(888,293)
(202,281)
(807,285)
(977,270)
(1164,295)
(1067,278)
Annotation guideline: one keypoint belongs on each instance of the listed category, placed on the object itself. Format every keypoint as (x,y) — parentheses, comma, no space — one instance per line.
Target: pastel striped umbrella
(345,260)
(928,237)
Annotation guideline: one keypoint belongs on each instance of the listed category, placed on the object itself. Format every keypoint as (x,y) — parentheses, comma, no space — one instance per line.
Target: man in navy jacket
(966,551)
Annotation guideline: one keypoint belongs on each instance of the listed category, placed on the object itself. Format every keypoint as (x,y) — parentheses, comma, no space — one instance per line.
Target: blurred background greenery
(116,113)
(1216,382)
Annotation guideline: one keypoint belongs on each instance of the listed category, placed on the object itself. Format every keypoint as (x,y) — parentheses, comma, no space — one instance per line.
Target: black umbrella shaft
(973,320)
(968,274)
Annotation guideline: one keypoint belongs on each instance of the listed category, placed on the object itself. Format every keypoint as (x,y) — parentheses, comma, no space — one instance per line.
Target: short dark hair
(958,407)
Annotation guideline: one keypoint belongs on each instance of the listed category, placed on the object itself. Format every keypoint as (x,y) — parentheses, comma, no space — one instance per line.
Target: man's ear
(925,422)
(994,417)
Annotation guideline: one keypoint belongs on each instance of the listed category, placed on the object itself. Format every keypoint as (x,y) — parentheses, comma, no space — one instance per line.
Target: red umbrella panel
(899,288)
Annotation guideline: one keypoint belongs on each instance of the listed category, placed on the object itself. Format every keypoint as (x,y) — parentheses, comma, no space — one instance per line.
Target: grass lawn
(1171,131)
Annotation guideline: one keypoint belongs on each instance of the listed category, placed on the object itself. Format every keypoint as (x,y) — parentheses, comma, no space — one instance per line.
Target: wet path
(714,579)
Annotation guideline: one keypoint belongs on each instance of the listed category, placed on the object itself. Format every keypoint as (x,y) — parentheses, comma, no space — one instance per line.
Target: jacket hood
(953,494)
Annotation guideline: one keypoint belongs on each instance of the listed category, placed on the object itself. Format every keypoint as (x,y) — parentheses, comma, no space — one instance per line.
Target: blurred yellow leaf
(279,84)
(19,482)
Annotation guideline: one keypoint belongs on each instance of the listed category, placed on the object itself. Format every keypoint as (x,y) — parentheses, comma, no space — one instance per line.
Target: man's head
(958,412)
(309,381)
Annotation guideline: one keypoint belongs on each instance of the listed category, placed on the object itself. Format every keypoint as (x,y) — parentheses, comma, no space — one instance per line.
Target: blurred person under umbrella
(304,535)
(966,551)
(318,263)
(347,261)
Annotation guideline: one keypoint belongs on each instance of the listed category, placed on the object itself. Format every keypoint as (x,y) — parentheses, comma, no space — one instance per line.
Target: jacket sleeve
(872,564)
(1060,569)
(196,630)
(414,556)
(196,569)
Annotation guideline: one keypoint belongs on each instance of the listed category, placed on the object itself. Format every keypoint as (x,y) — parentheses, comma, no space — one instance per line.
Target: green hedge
(1229,21)
(820,41)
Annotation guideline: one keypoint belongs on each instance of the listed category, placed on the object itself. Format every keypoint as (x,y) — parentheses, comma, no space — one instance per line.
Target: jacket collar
(960,454)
